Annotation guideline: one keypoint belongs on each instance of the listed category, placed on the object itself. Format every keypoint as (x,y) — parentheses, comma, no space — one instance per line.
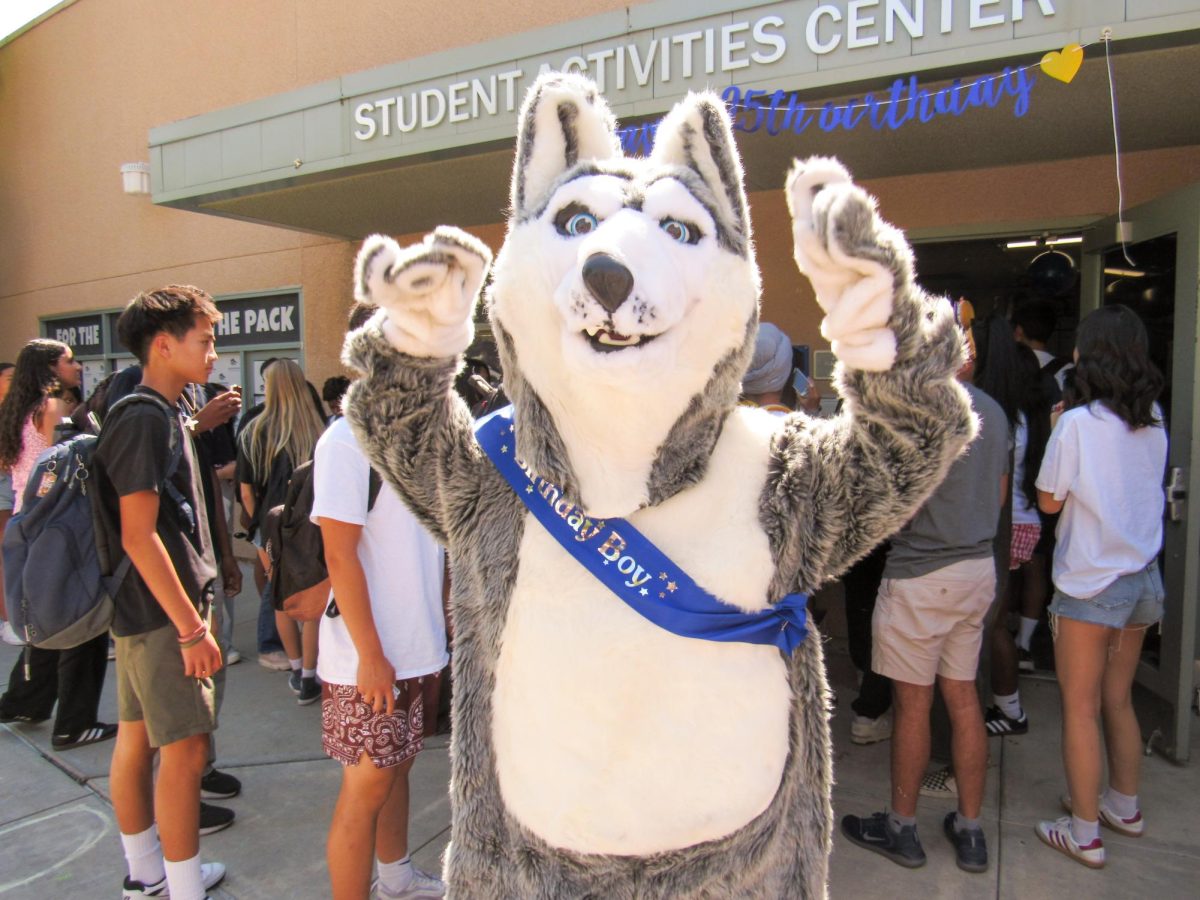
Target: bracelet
(192,643)
(193,638)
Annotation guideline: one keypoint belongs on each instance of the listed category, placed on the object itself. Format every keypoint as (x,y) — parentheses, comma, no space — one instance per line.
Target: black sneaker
(875,833)
(309,692)
(101,731)
(219,786)
(1025,661)
(997,723)
(970,848)
(214,818)
(294,681)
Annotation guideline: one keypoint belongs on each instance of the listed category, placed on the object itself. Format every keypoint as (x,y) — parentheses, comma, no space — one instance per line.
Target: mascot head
(625,298)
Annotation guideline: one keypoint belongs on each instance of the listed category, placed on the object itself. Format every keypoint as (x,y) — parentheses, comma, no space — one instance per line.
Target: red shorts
(1024,541)
(350,727)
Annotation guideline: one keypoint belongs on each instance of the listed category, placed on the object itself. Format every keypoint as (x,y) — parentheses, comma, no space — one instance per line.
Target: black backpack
(1049,373)
(295,549)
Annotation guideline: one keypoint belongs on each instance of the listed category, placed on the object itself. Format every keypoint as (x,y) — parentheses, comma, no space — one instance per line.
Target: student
(74,678)
(6,507)
(938,586)
(166,655)
(387,638)
(279,439)
(1103,469)
(1016,384)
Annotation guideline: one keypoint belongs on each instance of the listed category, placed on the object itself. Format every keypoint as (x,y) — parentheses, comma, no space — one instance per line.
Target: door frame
(1163,694)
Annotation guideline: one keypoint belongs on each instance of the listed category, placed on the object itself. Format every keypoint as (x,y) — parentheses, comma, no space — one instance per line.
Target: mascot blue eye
(680,231)
(581,223)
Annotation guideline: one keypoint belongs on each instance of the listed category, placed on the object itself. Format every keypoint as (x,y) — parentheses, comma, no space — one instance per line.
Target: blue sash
(632,567)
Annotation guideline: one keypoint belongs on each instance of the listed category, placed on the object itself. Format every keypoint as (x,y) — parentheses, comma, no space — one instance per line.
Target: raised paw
(428,291)
(847,252)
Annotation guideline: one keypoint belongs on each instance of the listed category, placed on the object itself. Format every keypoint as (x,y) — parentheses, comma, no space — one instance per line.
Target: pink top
(32,446)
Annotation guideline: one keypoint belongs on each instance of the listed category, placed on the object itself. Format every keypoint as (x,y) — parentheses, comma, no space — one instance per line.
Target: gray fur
(834,488)
(718,144)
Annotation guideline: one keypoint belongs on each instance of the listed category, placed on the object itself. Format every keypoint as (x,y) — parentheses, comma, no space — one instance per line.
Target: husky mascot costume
(596,752)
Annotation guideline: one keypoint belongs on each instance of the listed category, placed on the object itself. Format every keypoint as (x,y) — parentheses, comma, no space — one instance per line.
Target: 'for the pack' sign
(247,321)
(81,333)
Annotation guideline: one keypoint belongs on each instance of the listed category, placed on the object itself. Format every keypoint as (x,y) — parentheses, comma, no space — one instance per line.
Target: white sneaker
(276,660)
(9,635)
(1134,826)
(233,657)
(1058,835)
(870,731)
(211,874)
(423,887)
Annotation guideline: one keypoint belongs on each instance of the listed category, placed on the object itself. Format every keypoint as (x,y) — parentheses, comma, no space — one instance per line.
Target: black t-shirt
(268,493)
(133,455)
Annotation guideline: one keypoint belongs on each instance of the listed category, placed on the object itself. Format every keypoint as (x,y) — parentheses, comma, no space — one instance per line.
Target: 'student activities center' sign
(785,37)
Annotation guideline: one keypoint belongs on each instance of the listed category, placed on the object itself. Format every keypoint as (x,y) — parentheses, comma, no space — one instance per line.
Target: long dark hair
(996,364)
(33,381)
(1114,366)
(1034,401)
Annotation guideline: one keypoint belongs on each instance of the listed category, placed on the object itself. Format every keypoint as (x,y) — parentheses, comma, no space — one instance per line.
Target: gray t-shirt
(959,520)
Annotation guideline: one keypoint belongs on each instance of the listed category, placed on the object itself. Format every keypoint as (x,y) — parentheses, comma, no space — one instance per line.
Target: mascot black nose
(607,280)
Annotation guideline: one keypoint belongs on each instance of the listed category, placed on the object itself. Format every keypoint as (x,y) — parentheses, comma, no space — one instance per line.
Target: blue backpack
(60,574)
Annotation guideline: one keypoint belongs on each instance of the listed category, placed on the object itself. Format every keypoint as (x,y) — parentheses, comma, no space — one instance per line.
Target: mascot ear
(698,135)
(563,120)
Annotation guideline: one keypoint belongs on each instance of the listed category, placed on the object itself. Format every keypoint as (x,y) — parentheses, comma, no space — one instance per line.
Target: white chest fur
(615,736)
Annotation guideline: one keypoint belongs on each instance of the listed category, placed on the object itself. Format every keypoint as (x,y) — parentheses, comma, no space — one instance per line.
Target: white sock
(184,880)
(1082,830)
(308,673)
(296,664)
(1025,634)
(1124,805)
(396,876)
(1010,704)
(143,853)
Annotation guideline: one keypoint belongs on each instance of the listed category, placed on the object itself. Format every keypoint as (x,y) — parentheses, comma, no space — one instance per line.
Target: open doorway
(996,274)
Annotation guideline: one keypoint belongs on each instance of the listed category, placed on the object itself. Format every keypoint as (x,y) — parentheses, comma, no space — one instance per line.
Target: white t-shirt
(1023,512)
(1045,357)
(402,562)
(1111,478)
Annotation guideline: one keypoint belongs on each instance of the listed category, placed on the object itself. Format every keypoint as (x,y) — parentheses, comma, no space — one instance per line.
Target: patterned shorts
(350,727)
(1024,541)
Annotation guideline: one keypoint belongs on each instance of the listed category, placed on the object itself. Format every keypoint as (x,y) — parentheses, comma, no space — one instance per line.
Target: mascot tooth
(595,753)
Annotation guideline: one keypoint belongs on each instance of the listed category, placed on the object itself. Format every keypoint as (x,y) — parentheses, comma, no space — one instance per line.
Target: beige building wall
(80,91)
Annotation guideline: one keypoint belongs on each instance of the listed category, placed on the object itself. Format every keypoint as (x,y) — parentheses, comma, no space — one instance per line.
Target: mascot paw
(854,260)
(428,291)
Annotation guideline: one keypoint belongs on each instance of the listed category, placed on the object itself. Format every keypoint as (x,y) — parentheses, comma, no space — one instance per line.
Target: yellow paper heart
(1065,64)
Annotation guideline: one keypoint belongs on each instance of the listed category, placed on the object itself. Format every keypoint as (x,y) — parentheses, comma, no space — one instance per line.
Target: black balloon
(1052,273)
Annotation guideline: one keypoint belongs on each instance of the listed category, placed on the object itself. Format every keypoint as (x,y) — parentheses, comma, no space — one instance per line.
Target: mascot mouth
(604,340)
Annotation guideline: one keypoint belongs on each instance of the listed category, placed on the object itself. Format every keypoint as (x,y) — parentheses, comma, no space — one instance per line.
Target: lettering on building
(654,60)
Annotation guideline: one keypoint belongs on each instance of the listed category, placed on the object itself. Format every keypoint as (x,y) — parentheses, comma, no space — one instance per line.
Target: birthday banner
(905,102)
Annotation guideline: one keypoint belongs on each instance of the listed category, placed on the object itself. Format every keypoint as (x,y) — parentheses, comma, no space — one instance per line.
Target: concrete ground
(58,837)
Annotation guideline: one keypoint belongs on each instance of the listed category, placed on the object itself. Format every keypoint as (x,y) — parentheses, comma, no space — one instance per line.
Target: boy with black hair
(381,655)
(151,505)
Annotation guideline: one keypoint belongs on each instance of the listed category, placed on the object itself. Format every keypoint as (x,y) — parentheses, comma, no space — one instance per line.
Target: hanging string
(1106,37)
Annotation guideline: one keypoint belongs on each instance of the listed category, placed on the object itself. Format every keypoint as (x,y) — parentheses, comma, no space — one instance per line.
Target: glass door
(1155,272)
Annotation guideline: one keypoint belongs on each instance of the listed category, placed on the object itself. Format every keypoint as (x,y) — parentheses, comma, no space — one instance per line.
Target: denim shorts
(6,492)
(1132,600)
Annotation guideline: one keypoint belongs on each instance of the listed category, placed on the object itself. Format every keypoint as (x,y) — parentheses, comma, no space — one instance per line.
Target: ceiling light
(1018,245)
(1125,273)
(1072,239)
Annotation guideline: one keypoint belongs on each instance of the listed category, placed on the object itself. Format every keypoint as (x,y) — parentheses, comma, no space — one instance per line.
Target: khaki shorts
(152,688)
(933,625)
